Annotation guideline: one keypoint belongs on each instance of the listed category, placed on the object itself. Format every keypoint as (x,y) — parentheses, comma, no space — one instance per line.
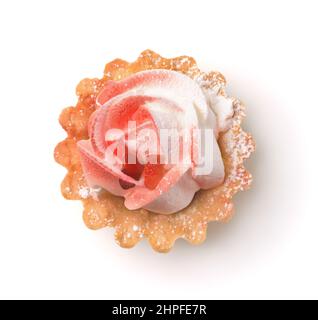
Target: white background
(268,52)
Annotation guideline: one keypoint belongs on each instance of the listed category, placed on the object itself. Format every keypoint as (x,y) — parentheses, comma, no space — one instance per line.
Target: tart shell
(109,211)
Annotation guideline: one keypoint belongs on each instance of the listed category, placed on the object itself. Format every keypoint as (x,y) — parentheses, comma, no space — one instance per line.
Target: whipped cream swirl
(157,101)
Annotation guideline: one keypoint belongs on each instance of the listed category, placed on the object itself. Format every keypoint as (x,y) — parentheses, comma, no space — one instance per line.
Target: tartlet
(109,210)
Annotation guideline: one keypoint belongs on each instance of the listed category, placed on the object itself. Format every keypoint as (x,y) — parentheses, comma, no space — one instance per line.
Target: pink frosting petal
(168,188)
(96,174)
(101,173)
(177,197)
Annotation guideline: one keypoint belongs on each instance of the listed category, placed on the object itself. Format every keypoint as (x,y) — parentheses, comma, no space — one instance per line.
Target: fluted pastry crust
(109,211)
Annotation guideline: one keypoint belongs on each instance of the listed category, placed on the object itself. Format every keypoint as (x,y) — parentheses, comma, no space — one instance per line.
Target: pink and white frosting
(157,100)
